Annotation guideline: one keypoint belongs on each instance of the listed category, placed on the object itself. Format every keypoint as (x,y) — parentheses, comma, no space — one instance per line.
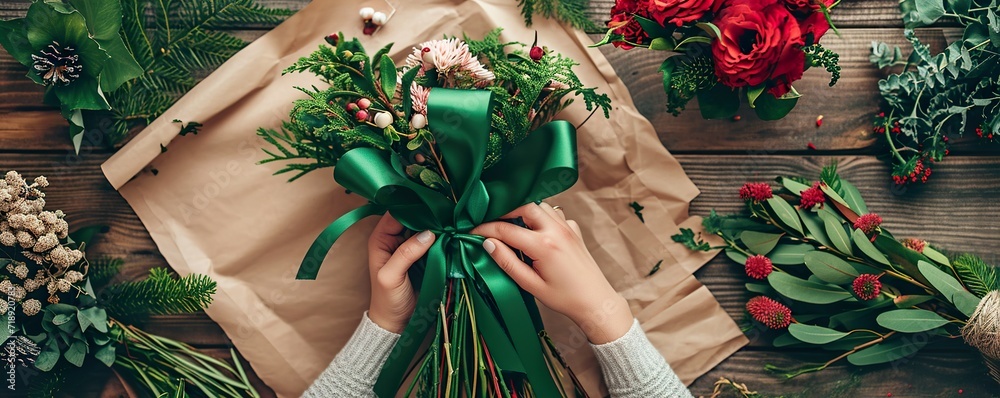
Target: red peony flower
(622,19)
(758,266)
(680,12)
(868,223)
(916,245)
(758,191)
(760,42)
(769,312)
(812,197)
(867,286)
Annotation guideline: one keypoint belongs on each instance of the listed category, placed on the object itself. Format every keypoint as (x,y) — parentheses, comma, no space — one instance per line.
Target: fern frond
(159,294)
(980,278)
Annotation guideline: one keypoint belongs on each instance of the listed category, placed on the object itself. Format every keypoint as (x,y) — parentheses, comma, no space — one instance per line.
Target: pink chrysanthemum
(757,191)
(867,286)
(418,97)
(769,312)
(812,197)
(455,65)
(868,223)
(758,266)
(916,245)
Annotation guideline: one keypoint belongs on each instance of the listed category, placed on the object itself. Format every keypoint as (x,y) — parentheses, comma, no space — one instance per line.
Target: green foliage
(978,276)
(176,42)
(103,270)
(47,384)
(817,55)
(684,77)
(159,294)
(934,96)
(691,241)
(571,12)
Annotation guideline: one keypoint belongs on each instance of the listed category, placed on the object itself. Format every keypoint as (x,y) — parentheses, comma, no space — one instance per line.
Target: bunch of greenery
(322,128)
(571,12)
(828,276)
(935,96)
(71,317)
(114,65)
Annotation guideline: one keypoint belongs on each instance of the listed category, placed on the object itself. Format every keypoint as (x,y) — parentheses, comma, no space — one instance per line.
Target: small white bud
(383,120)
(367,13)
(418,121)
(379,18)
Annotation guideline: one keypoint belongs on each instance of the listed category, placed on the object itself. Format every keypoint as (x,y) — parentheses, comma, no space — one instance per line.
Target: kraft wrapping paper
(211,209)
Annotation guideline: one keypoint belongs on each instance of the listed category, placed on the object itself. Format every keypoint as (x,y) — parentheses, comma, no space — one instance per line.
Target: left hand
(390,255)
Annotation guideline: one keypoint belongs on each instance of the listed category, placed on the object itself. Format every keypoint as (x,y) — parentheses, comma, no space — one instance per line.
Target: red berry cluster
(920,173)
(769,312)
(867,286)
(758,266)
(360,109)
(868,223)
(812,197)
(979,133)
(756,191)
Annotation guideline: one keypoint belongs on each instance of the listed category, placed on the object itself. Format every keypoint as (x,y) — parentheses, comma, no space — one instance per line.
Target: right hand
(565,276)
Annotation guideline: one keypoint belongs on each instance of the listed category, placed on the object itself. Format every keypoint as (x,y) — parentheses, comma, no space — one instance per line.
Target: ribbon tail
(321,246)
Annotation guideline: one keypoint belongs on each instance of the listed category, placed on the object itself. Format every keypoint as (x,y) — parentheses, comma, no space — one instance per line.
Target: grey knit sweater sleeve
(632,367)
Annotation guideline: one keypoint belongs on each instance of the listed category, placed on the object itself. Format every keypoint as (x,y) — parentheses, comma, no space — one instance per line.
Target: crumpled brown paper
(212,210)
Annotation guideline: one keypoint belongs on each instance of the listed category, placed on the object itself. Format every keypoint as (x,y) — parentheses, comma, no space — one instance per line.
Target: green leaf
(61,319)
(406,84)
(785,340)
(835,230)
(815,334)
(86,234)
(793,186)
(901,255)
(96,316)
(736,256)
(718,102)
(387,74)
(888,351)
(917,13)
(805,291)
(653,28)
(4,328)
(760,242)
(106,354)
(865,245)
(46,360)
(911,300)
(814,226)
(76,353)
(753,93)
(84,93)
(832,194)
(910,320)
(661,44)
(759,288)
(830,268)
(15,41)
(690,39)
(936,256)
(709,28)
(949,287)
(960,7)
(788,254)
(770,108)
(785,212)
(852,197)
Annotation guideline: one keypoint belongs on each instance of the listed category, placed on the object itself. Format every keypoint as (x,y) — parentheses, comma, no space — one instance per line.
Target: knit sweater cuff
(633,367)
(367,350)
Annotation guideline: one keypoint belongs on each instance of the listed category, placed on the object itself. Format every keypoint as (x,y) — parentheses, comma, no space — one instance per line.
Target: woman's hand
(390,255)
(565,276)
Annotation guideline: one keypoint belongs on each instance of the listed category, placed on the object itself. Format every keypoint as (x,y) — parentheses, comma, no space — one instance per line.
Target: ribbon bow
(542,165)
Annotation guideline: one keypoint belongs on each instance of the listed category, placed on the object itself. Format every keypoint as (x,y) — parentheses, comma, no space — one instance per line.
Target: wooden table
(955,211)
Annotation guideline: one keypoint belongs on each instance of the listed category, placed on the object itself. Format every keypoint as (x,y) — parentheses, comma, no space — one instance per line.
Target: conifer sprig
(159,294)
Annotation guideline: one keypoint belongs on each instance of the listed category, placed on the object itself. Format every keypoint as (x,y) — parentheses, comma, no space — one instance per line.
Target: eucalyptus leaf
(760,242)
(852,197)
(836,232)
(910,320)
(814,226)
(830,268)
(790,254)
(866,247)
(786,340)
(47,359)
(805,291)
(759,288)
(815,334)
(937,256)
(4,328)
(888,351)
(736,256)
(785,212)
(76,353)
(793,186)
(949,287)
(106,354)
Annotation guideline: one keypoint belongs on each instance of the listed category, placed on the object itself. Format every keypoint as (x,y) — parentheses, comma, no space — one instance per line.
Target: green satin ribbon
(542,165)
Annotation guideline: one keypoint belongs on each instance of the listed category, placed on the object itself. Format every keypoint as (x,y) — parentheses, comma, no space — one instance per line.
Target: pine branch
(572,12)
(159,294)
(978,276)
(103,270)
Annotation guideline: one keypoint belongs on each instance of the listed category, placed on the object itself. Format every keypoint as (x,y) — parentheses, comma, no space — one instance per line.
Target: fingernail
(425,236)
(489,246)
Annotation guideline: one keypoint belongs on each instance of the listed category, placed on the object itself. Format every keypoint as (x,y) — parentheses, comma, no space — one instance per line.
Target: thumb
(407,254)
(521,273)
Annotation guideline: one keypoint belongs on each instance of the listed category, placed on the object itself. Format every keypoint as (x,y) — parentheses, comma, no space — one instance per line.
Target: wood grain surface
(956,211)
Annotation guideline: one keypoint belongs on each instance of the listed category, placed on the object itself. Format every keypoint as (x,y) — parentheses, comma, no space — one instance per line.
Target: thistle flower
(812,197)
(916,245)
(868,223)
(756,191)
(769,312)
(867,286)
(758,266)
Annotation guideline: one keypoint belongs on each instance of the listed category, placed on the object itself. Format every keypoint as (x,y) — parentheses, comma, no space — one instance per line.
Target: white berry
(383,120)
(418,121)
(379,18)
(367,13)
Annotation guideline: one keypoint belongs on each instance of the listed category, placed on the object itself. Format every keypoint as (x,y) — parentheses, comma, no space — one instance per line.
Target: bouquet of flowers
(60,314)
(460,134)
(724,51)
(937,96)
(829,275)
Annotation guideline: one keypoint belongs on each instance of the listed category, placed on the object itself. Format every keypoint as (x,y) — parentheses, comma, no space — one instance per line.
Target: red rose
(814,26)
(625,24)
(760,42)
(680,12)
